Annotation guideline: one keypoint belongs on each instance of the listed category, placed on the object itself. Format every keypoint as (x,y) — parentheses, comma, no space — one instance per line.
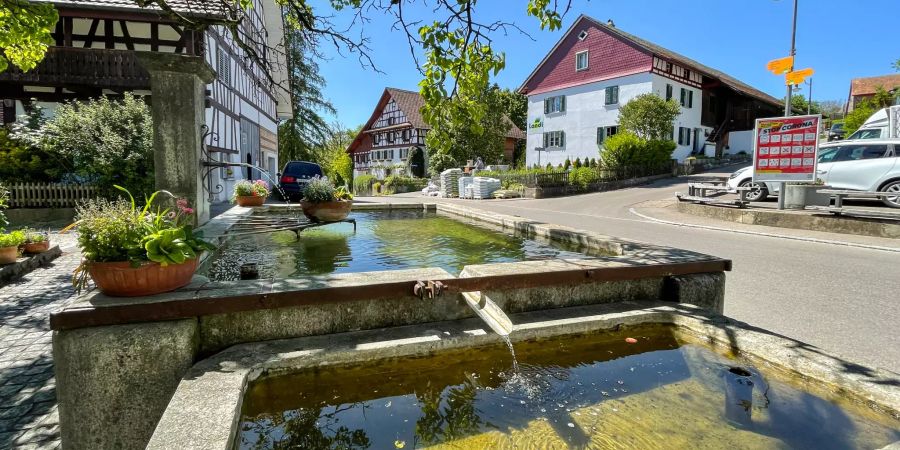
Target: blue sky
(840,40)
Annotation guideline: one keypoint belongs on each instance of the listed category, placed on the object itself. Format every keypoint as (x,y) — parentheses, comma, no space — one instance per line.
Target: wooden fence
(48,195)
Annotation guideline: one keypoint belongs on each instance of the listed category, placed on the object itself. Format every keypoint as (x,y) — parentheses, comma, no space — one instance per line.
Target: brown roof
(866,86)
(206,8)
(667,54)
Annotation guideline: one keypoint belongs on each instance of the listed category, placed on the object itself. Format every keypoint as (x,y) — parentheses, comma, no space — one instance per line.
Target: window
(223,66)
(612,95)
(581,61)
(376,138)
(860,152)
(603,133)
(687,98)
(583,35)
(684,136)
(391,155)
(668,91)
(390,137)
(555,139)
(871,133)
(555,104)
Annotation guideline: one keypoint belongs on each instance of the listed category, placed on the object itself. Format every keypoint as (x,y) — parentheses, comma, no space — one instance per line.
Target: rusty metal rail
(90,316)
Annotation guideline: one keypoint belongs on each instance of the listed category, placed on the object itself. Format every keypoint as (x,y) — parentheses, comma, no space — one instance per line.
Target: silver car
(872,165)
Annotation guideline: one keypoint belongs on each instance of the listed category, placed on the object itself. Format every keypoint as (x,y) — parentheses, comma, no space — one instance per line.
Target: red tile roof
(866,86)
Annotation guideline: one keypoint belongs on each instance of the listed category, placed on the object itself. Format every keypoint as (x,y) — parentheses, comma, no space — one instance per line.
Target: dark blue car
(293,178)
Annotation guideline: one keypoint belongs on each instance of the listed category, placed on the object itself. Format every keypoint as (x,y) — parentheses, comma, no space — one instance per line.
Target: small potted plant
(251,193)
(132,251)
(36,241)
(322,202)
(9,246)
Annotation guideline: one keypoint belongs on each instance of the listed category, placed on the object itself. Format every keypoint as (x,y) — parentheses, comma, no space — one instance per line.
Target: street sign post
(785,149)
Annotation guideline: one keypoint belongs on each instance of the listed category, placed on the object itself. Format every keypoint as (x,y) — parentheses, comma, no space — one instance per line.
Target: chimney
(610,23)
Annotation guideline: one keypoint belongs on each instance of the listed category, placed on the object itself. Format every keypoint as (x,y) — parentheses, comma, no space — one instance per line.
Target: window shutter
(682,97)
(687,136)
(668,92)
(615,94)
(562,103)
(600,135)
(547,105)
(562,138)
(690,99)
(608,93)
(545,140)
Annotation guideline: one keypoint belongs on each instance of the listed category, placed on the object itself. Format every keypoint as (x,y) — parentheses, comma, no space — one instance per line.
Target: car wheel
(894,188)
(758,192)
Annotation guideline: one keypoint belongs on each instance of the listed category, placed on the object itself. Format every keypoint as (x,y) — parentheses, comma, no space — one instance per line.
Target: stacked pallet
(465,187)
(450,182)
(484,187)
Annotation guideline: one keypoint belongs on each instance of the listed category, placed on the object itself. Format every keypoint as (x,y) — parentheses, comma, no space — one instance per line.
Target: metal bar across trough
(194,307)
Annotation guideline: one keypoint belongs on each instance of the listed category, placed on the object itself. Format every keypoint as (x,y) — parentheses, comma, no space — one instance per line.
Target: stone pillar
(178,85)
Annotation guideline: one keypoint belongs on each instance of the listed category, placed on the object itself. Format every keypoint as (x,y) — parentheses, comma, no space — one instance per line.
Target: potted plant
(9,246)
(322,202)
(130,251)
(36,241)
(250,193)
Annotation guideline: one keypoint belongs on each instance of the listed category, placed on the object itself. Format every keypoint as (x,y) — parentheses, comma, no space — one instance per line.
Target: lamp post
(787,98)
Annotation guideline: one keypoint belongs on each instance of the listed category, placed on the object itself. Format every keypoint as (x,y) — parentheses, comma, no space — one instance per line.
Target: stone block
(706,290)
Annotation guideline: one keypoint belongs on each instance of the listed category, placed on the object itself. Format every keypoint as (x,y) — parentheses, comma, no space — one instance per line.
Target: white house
(575,93)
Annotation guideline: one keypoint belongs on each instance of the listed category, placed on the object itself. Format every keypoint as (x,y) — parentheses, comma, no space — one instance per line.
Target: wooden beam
(108,34)
(92,33)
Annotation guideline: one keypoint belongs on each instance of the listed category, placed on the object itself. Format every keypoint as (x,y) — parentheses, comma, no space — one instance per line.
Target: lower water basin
(593,391)
(383,240)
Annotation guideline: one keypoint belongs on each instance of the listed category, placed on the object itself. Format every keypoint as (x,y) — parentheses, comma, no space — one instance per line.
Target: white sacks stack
(483,187)
(450,183)
(465,187)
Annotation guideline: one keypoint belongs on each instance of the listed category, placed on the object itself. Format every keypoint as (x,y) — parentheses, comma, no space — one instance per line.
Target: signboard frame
(776,177)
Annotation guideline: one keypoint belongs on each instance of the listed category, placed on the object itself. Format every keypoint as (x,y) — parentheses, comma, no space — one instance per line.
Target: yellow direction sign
(797,76)
(780,66)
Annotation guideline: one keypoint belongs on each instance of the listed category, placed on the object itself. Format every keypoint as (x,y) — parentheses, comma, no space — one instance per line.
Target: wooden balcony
(75,68)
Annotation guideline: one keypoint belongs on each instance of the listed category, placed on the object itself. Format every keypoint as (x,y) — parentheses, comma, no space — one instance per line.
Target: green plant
(649,116)
(12,239)
(627,149)
(363,184)
(341,193)
(247,188)
(439,162)
(34,237)
(319,190)
(577,163)
(376,187)
(4,195)
(583,177)
(567,164)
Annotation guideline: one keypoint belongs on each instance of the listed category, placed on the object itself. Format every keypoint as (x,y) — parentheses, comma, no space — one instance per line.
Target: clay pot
(250,200)
(37,247)
(8,255)
(119,279)
(326,211)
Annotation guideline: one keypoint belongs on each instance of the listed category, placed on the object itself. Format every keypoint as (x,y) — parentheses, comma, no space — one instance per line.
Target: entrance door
(250,148)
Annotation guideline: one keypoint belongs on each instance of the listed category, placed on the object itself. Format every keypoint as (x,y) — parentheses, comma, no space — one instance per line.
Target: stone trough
(169,370)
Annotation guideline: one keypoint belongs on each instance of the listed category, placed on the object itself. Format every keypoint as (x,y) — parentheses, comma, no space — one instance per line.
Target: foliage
(341,193)
(363,184)
(341,169)
(34,237)
(120,230)
(23,158)
(394,183)
(577,163)
(627,149)
(567,164)
(376,187)
(583,177)
(332,155)
(799,104)
(882,98)
(25,29)
(649,116)
(12,239)
(247,188)
(854,119)
(439,162)
(109,142)
(896,65)
(831,108)
(593,162)
(319,190)
(4,196)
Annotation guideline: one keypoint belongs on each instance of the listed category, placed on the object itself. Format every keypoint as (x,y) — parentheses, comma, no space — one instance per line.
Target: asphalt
(842,298)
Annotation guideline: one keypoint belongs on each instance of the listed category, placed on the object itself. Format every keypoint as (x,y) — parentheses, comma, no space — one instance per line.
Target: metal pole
(787,98)
(809,100)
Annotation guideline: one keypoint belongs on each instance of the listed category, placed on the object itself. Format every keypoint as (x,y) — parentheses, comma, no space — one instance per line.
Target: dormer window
(581,61)
(583,35)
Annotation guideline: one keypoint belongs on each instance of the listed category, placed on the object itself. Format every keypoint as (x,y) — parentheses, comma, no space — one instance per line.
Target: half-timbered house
(94,54)
(394,129)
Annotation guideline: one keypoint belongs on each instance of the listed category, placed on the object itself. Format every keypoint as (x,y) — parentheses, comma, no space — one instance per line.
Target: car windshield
(837,127)
(303,170)
(871,133)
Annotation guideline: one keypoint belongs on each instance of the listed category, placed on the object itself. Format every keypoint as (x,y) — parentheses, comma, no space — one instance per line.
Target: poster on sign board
(785,148)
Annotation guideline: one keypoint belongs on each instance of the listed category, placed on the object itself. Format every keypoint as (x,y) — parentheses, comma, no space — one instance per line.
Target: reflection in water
(585,392)
(384,240)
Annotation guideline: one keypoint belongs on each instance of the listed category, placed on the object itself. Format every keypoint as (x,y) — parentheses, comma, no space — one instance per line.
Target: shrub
(35,237)
(627,149)
(439,162)
(577,163)
(319,190)
(593,162)
(549,166)
(376,188)
(363,183)
(4,195)
(649,116)
(20,162)
(583,177)
(12,239)
(567,164)
(340,169)
(247,188)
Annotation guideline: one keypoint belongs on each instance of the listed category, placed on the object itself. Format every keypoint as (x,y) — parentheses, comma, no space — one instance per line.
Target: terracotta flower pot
(8,255)
(326,211)
(119,279)
(37,247)
(250,200)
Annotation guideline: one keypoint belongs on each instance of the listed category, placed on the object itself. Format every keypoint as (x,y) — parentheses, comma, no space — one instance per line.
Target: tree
(649,116)
(800,105)
(896,65)
(25,29)
(854,119)
(833,109)
(332,154)
(882,98)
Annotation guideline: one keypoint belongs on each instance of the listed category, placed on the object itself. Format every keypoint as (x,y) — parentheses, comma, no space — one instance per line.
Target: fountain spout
(489,312)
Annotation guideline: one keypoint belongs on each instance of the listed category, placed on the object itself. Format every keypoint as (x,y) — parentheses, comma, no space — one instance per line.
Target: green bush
(340,169)
(439,162)
(567,164)
(20,162)
(376,188)
(319,190)
(363,184)
(12,239)
(583,177)
(577,163)
(4,195)
(627,149)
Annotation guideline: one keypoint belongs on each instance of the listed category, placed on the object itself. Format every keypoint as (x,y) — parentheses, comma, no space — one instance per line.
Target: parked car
(872,165)
(294,177)
(883,124)
(836,132)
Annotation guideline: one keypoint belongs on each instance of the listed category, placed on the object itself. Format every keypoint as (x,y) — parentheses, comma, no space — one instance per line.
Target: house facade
(863,88)
(396,126)
(95,54)
(575,93)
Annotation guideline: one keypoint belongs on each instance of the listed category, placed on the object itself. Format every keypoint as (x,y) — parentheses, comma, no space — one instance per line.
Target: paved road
(843,299)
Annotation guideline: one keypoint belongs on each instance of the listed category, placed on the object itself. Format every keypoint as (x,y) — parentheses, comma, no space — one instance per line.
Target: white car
(870,165)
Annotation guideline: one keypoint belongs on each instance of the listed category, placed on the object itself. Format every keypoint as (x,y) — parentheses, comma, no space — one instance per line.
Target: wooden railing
(64,66)
(48,195)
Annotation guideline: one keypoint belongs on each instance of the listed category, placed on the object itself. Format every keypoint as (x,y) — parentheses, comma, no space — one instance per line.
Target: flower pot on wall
(37,247)
(120,279)
(799,196)
(250,200)
(9,254)
(326,211)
